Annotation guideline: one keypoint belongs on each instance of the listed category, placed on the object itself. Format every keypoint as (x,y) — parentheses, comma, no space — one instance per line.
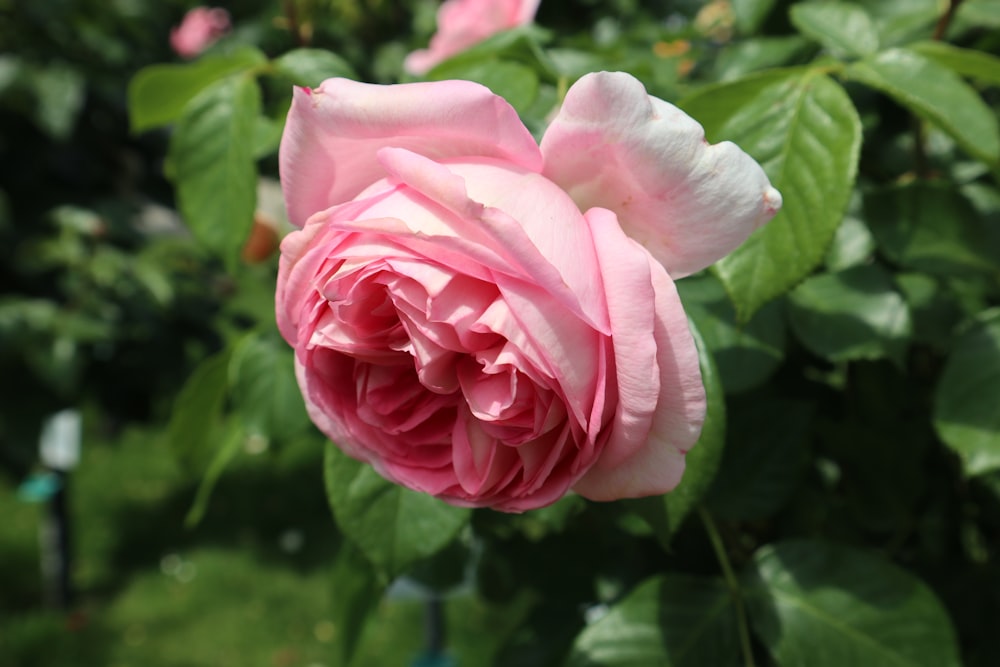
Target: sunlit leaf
(979,65)
(158,94)
(804,130)
(212,152)
(310,67)
(842,28)
(936,94)
(516,83)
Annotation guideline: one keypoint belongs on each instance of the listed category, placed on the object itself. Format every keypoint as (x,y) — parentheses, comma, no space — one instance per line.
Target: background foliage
(842,508)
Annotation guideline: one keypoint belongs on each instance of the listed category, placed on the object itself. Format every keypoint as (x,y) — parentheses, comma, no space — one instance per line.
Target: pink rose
(468,311)
(462,23)
(200,28)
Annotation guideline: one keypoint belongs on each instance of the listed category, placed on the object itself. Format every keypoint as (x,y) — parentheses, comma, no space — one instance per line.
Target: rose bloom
(492,321)
(200,28)
(462,23)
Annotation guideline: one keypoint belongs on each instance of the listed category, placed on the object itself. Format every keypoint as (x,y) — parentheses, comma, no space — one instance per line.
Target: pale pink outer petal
(635,462)
(688,202)
(333,133)
(464,23)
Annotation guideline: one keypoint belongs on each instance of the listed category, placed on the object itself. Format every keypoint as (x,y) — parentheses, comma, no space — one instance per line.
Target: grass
(248,586)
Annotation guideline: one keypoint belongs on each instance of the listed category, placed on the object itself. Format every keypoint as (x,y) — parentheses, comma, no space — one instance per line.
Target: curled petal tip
(772,203)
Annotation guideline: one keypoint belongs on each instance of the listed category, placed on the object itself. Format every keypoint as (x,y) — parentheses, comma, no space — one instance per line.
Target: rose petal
(689,203)
(541,233)
(631,467)
(333,133)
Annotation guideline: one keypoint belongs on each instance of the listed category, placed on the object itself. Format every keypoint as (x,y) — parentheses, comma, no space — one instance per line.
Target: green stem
(734,586)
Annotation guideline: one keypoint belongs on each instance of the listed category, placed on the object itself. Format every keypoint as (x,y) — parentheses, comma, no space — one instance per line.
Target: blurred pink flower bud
(199,29)
(463,23)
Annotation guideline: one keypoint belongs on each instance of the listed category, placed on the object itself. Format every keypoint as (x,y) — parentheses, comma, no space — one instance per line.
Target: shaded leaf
(966,413)
(934,310)
(853,314)
(355,591)
(766,452)
(196,410)
(750,14)
(746,354)
(393,526)
(821,605)
(232,440)
(675,620)
(932,228)
(265,391)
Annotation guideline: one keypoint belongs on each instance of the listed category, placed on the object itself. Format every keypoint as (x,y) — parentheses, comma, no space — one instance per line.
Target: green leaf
(766,453)
(158,94)
(822,605)
(977,14)
(310,67)
(966,413)
(232,442)
(60,92)
(265,391)
(936,94)
(903,21)
(393,526)
(196,410)
(979,65)
(853,244)
(355,591)
(266,136)
(675,620)
(750,55)
(750,14)
(853,314)
(932,227)
(804,130)
(666,513)
(522,45)
(213,164)
(516,83)
(746,354)
(934,310)
(842,28)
